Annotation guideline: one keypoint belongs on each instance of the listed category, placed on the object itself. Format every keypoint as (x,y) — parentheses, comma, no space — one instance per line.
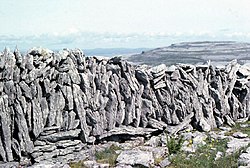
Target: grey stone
(136,157)
(59,106)
(239,135)
(26,89)
(157,124)
(142,75)
(9,89)
(67,92)
(26,144)
(199,139)
(244,159)
(39,143)
(47,156)
(158,70)
(29,62)
(52,108)
(74,76)
(204,125)
(248,150)
(235,144)
(218,155)
(44,109)
(123,166)
(45,148)
(16,148)
(164,163)
(244,125)
(111,108)
(229,121)
(61,135)
(49,165)
(64,78)
(185,123)
(5,122)
(171,68)
(2,151)
(128,130)
(90,163)
(225,128)
(81,111)
(131,144)
(67,143)
(16,75)
(94,164)
(154,141)
(18,56)
(72,121)
(66,151)
(158,152)
(9,165)
(51,128)
(37,118)
(10,62)
(60,99)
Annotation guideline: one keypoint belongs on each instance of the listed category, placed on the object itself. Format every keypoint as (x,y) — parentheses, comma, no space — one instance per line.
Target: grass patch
(204,157)
(158,160)
(108,155)
(79,164)
(237,127)
(174,144)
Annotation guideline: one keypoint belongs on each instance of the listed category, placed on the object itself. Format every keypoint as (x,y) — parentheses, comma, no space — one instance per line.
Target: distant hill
(218,52)
(113,51)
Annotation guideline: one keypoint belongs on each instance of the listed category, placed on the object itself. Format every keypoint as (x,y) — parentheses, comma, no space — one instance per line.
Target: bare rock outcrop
(53,104)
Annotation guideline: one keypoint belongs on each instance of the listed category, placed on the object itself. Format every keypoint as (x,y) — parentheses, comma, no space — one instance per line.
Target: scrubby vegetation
(108,155)
(206,155)
(174,144)
(79,164)
(203,157)
(211,153)
(240,127)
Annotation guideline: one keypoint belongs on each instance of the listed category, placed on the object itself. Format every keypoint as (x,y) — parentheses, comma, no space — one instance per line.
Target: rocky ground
(223,147)
(62,107)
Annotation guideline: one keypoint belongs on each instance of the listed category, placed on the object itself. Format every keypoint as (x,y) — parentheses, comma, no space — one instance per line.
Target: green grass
(79,164)
(204,157)
(174,144)
(237,128)
(108,155)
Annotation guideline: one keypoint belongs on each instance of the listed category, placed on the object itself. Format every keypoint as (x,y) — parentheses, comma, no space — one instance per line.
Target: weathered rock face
(51,104)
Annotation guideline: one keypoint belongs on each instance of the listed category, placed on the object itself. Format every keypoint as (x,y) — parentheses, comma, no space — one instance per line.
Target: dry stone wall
(54,103)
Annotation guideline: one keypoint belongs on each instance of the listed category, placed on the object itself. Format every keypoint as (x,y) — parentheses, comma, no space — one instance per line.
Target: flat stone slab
(244,159)
(235,144)
(128,130)
(136,157)
(61,135)
(239,135)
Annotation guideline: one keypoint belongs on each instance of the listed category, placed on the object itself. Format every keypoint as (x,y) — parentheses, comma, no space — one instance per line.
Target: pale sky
(128,23)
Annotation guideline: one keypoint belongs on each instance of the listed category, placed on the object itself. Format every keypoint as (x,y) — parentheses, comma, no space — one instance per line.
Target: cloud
(238,34)
(73,38)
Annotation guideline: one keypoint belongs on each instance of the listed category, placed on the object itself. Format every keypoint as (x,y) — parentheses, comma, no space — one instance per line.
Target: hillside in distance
(218,52)
(109,52)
